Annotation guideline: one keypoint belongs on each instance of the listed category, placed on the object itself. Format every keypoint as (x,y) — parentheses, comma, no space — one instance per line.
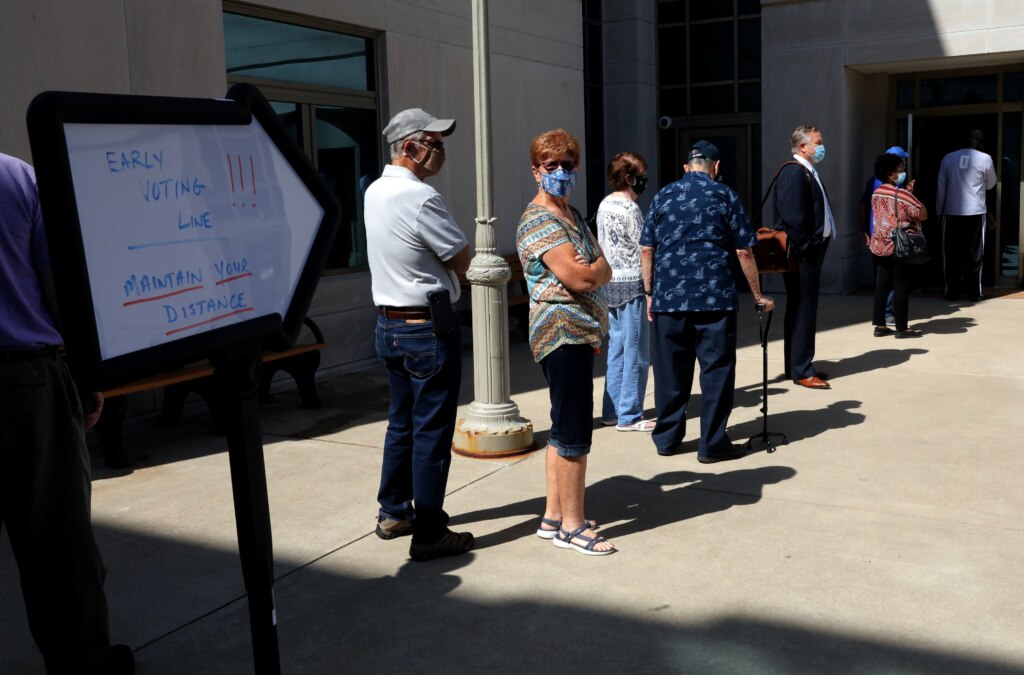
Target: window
(1013,86)
(709,57)
(906,94)
(958,90)
(709,80)
(322,83)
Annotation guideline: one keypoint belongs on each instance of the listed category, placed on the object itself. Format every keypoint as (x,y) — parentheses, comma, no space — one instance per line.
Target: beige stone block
(42,47)
(412,21)
(1009,39)
(536,47)
(457,181)
(560,21)
(371,14)
(801,24)
(162,36)
(510,150)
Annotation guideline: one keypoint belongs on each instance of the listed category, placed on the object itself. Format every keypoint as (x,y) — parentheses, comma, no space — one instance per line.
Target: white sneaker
(890,321)
(645,426)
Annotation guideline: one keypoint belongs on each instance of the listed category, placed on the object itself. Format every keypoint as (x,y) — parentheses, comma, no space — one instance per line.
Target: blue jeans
(425,372)
(629,341)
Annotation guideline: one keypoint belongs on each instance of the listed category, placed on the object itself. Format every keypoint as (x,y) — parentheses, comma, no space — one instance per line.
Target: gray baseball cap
(408,122)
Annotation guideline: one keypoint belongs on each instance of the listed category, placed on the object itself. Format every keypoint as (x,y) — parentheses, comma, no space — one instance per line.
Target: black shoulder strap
(757,216)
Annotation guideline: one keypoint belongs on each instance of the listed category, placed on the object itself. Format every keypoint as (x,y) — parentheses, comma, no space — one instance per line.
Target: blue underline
(176,241)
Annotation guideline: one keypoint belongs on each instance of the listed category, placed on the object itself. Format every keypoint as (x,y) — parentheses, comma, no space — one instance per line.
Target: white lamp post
(493,426)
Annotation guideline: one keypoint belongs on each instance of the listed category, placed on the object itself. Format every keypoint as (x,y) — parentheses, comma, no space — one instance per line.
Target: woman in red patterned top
(892,206)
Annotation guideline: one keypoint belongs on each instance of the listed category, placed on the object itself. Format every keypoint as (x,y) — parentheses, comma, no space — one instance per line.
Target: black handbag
(908,243)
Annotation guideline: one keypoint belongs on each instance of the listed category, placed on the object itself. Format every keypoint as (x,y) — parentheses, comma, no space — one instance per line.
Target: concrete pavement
(887,536)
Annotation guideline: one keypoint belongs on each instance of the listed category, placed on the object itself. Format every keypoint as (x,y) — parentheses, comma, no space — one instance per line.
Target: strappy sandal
(555,526)
(568,540)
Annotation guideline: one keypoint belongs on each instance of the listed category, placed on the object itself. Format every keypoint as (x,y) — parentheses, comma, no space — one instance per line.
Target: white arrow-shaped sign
(177,226)
(186,228)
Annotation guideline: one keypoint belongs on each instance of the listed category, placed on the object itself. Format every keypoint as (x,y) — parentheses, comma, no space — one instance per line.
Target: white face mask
(432,159)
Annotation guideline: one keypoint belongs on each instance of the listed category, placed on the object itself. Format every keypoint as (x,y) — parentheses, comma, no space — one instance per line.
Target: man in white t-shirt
(416,250)
(964,177)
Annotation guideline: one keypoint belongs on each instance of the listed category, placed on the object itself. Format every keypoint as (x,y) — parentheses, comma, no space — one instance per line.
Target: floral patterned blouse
(619,222)
(891,207)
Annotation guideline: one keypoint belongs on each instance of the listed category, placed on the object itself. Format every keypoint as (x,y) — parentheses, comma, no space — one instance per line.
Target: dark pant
(963,249)
(801,324)
(891,275)
(677,338)
(425,372)
(569,371)
(45,502)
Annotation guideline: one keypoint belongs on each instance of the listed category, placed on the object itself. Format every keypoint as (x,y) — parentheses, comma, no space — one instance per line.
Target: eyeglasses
(553,164)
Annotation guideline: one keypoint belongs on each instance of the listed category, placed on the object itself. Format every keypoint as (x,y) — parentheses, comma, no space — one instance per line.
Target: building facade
(869,73)
(649,76)
(336,72)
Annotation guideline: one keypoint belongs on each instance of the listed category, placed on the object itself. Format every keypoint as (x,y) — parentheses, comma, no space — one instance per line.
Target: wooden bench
(518,305)
(301,362)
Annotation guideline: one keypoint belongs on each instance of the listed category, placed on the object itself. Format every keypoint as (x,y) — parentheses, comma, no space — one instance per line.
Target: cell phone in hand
(441,315)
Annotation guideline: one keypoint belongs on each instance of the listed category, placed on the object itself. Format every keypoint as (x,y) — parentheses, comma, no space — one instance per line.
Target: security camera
(665,122)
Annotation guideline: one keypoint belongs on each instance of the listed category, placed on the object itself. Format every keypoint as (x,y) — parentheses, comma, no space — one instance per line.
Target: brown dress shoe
(813,383)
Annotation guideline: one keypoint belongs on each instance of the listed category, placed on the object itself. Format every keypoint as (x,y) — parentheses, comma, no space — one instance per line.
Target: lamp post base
(492,430)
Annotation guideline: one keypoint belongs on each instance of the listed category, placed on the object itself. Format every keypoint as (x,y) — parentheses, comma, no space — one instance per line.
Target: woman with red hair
(565,270)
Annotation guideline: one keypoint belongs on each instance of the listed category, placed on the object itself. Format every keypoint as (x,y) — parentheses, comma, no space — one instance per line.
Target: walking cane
(762,329)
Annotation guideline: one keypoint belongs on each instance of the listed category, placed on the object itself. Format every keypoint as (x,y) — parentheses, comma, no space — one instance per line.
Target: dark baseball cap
(408,122)
(704,150)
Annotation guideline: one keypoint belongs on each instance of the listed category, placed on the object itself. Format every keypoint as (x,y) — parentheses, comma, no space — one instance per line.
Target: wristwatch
(648,293)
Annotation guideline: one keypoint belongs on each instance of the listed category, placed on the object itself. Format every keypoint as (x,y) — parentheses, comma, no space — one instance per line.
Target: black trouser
(677,340)
(801,322)
(963,250)
(891,275)
(45,497)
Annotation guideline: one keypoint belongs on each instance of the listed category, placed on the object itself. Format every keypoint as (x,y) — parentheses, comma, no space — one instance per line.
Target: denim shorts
(569,371)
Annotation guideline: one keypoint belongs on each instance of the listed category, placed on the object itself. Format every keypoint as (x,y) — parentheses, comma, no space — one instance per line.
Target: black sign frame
(47,115)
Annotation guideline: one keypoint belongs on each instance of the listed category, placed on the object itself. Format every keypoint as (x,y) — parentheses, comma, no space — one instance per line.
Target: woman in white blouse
(619,220)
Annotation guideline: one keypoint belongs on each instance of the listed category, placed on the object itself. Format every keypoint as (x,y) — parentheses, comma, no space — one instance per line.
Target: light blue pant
(625,384)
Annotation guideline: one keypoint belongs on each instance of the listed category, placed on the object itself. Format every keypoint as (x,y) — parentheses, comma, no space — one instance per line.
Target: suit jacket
(799,208)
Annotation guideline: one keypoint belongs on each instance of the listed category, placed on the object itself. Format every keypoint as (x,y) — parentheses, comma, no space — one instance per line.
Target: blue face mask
(559,182)
(819,153)
(902,176)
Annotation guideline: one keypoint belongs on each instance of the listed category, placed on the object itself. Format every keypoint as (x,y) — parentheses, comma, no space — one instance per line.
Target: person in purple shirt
(45,488)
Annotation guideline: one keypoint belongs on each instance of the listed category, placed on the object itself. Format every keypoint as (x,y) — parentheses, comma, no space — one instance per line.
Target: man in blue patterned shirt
(692,228)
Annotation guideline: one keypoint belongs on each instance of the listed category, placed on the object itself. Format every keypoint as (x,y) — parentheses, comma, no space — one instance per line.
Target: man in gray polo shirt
(416,250)
(45,490)
(964,177)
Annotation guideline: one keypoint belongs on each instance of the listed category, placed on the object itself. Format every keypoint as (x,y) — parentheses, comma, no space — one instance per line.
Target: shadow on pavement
(948,326)
(799,425)
(877,359)
(624,505)
(420,620)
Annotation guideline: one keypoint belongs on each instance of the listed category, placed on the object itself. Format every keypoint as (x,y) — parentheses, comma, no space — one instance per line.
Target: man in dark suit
(802,210)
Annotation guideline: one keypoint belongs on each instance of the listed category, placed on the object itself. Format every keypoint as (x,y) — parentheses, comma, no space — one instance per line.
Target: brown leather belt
(9,356)
(405,313)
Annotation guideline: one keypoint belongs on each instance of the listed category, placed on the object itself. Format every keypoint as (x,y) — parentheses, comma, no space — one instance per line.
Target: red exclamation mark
(252,176)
